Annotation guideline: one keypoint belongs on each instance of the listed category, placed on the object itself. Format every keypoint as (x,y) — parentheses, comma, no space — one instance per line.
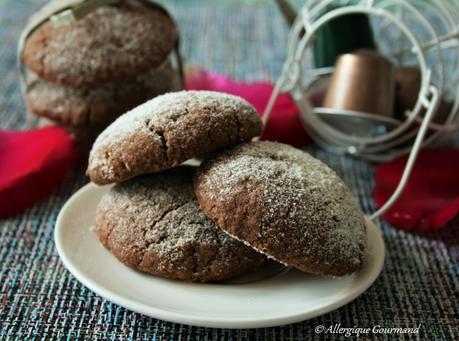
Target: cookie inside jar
(85,73)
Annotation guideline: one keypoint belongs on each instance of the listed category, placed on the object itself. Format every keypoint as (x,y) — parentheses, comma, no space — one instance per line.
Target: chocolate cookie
(97,106)
(168,130)
(286,204)
(116,42)
(152,223)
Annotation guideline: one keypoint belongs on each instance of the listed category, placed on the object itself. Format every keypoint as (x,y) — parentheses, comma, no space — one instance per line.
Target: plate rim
(208,321)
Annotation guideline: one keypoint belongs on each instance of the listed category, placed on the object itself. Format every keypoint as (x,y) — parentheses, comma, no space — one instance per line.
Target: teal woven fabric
(39,299)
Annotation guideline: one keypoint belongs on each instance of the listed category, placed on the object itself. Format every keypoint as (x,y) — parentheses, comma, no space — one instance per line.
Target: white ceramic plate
(286,298)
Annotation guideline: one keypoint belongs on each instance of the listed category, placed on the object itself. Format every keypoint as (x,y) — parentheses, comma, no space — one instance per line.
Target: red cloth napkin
(284,124)
(32,163)
(431,197)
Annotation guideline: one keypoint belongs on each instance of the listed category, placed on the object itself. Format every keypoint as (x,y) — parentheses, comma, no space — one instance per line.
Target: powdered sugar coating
(153,223)
(168,130)
(111,43)
(97,106)
(286,203)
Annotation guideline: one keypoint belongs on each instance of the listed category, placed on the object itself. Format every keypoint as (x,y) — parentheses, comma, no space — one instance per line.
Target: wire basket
(420,33)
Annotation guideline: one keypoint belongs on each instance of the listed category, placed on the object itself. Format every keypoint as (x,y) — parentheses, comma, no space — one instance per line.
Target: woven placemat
(39,299)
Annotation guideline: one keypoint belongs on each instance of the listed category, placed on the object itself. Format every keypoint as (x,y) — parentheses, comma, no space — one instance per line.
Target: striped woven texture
(40,299)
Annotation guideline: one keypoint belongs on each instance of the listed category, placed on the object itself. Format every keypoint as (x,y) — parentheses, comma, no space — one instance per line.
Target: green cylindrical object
(342,34)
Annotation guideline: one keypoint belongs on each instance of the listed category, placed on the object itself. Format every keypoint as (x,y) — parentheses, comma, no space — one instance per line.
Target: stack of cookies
(86,73)
(247,201)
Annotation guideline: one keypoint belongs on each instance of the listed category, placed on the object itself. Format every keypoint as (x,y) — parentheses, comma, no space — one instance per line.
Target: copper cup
(408,85)
(362,81)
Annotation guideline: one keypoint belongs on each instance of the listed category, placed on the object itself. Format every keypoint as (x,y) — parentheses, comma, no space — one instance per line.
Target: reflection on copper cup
(362,81)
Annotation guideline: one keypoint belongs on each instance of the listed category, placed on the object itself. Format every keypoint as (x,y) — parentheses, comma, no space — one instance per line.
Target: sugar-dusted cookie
(152,223)
(112,43)
(168,130)
(286,204)
(97,106)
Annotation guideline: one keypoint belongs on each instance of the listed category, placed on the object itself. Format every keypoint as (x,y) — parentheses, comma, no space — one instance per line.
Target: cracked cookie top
(168,130)
(116,42)
(286,204)
(152,223)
